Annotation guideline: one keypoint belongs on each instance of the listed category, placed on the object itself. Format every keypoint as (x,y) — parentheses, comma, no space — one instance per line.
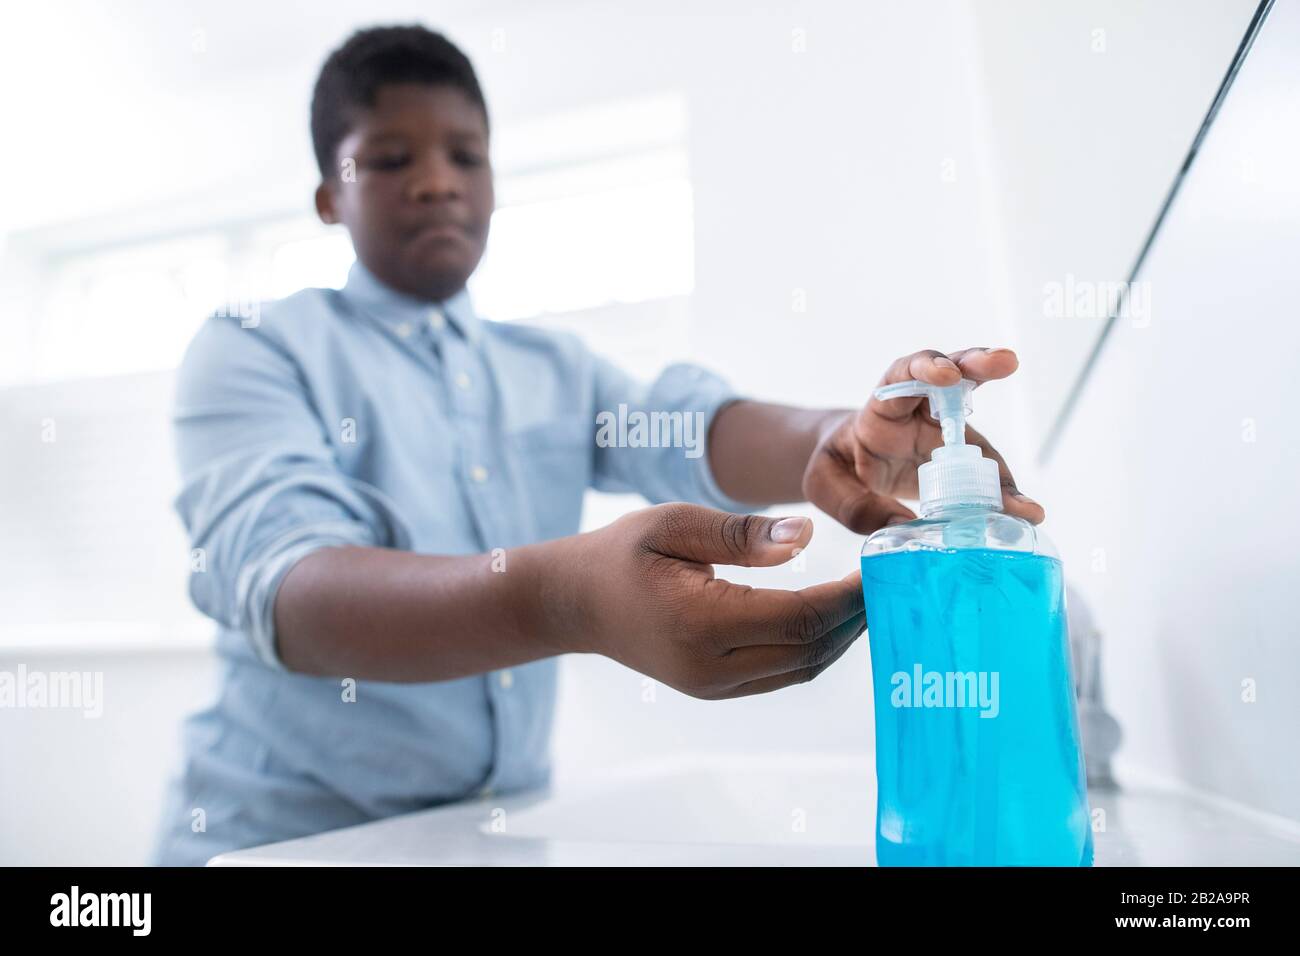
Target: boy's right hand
(642,591)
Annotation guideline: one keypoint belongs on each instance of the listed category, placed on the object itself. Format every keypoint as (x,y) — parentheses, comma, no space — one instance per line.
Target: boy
(386,489)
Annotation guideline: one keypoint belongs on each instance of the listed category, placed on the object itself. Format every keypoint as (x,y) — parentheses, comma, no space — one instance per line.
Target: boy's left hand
(868,460)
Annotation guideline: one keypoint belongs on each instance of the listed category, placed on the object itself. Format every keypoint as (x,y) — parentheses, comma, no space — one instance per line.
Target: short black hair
(375,57)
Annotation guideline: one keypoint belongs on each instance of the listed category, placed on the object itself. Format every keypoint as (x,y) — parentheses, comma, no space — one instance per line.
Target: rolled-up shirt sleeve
(653,438)
(260,482)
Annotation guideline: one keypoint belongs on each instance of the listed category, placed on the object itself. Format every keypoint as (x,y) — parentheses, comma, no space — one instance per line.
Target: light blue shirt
(365,417)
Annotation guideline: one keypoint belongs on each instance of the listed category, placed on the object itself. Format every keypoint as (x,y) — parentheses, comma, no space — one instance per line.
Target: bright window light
(320,262)
(127,310)
(623,245)
(594,211)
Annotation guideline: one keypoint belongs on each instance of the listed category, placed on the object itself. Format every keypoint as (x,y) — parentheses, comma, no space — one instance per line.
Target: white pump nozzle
(956,474)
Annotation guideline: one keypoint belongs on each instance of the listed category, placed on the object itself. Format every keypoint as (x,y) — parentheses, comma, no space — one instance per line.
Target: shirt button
(437,321)
(462,382)
(506,679)
(479,474)
(404,330)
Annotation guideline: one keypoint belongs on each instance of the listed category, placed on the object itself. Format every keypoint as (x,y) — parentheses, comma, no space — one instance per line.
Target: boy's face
(419,208)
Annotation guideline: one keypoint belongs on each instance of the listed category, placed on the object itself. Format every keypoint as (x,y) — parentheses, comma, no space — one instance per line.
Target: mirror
(1173,481)
(1091,110)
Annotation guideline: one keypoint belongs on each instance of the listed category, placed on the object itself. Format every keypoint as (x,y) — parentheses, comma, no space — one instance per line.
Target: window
(594,210)
(627,240)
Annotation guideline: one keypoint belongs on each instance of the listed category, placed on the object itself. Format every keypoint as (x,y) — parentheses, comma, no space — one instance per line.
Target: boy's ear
(325,203)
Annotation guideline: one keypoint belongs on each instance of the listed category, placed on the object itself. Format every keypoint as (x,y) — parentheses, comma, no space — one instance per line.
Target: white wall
(1175,485)
(1092,105)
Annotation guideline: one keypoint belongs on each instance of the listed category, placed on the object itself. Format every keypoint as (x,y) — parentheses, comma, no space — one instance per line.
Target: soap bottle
(978,760)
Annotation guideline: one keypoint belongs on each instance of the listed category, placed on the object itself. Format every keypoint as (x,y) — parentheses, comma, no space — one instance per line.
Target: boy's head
(400,130)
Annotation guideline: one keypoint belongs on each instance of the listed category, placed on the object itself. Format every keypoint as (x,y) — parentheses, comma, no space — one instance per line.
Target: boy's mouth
(439,232)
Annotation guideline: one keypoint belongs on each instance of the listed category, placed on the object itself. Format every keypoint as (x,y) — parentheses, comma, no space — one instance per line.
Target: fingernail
(1024,497)
(788,529)
(944,362)
(897,519)
(1000,348)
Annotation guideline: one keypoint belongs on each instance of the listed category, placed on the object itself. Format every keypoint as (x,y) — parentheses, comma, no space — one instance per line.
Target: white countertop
(782,810)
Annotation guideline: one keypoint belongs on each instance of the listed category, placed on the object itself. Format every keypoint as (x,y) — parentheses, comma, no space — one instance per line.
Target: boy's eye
(468,158)
(389,161)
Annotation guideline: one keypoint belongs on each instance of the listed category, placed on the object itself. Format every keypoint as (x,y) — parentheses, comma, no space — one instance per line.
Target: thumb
(694,533)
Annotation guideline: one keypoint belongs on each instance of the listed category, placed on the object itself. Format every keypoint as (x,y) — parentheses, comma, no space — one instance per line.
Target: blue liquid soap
(956,787)
(978,760)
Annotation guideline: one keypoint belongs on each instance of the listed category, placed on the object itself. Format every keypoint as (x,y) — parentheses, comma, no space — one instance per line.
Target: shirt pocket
(554,461)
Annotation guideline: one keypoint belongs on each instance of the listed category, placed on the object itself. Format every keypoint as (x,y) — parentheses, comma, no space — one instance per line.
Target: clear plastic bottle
(978,760)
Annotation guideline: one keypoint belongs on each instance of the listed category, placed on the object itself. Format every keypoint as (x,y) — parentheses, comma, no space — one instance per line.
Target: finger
(740,616)
(748,664)
(935,368)
(708,536)
(930,366)
(984,364)
(837,491)
(835,646)
(1014,501)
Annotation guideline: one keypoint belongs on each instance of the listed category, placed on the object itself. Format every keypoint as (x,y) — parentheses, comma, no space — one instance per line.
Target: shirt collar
(392,307)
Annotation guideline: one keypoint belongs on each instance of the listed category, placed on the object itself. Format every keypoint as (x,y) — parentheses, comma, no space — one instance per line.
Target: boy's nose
(436,178)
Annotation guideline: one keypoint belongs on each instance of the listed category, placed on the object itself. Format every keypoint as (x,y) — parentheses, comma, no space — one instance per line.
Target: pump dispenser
(956,475)
(977,742)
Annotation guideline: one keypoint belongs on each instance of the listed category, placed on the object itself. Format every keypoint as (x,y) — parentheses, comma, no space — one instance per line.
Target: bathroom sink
(717,810)
(768,810)
(784,801)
